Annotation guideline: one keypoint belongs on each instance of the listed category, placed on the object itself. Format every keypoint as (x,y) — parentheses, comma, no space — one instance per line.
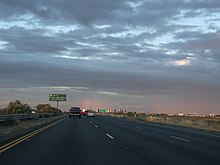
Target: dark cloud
(203,45)
(120,50)
(38,74)
(85,11)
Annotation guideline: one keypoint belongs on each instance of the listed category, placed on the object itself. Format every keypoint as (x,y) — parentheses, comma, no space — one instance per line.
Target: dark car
(75,112)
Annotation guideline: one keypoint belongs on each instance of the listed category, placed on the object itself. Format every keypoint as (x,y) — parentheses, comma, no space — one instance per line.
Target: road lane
(168,130)
(156,140)
(73,141)
(15,141)
(107,140)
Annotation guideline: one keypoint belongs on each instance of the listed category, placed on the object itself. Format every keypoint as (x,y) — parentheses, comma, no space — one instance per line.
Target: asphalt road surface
(110,141)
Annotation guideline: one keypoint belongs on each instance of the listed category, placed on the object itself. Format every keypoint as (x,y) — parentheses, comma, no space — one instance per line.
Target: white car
(90,114)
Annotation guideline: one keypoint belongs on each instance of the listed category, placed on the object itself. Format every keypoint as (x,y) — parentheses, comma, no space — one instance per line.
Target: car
(90,114)
(75,112)
(84,112)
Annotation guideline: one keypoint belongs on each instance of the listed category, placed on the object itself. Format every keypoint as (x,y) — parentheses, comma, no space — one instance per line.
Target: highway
(106,140)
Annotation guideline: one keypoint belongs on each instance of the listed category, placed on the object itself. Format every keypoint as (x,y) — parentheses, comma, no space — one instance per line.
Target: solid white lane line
(179,138)
(138,127)
(96,126)
(109,136)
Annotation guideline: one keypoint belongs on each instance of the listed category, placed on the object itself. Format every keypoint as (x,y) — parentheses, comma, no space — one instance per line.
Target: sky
(159,56)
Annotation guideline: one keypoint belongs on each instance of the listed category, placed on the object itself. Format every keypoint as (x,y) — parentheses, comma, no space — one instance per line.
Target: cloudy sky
(138,55)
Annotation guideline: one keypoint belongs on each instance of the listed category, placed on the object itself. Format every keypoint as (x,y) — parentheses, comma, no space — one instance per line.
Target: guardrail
(11,117)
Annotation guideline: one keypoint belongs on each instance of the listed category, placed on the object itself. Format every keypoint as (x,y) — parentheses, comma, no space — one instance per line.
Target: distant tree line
(17,107)
(46,108)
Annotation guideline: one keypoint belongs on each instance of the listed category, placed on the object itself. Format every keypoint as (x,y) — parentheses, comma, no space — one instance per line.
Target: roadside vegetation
(17,107)
(46,108)
(18,112)
(205,123)
(43,114)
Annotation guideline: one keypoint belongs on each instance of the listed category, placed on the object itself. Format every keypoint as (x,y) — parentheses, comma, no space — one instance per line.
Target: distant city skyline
(150,55)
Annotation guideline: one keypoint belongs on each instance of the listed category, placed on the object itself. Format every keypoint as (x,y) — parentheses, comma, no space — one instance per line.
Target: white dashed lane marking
(109,136)
(138,127)
(179,138)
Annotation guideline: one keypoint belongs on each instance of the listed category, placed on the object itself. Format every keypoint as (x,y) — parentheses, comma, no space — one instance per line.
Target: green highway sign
(57,97)
(102,110)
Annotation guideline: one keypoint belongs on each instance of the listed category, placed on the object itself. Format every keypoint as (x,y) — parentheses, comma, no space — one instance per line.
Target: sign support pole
(57,104)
